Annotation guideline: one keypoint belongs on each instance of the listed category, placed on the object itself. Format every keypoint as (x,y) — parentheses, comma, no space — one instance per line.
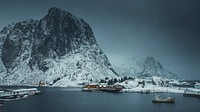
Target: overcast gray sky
(168,30)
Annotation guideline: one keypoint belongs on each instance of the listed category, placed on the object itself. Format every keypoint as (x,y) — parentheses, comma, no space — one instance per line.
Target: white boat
(10,94)
(29,91)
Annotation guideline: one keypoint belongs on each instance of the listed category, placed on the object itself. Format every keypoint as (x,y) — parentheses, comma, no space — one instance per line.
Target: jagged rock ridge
(59,49)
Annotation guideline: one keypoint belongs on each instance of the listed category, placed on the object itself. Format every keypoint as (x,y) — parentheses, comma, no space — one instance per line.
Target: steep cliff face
(3,34)
(146,66)
(17,44)
(60,49)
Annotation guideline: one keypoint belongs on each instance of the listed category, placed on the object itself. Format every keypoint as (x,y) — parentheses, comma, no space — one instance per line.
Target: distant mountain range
(145,66)
(59,49)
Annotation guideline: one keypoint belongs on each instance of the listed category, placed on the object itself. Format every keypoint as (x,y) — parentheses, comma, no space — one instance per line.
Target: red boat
(90,87)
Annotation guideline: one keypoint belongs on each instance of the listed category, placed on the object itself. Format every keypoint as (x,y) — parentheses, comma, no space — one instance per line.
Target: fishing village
(153,86)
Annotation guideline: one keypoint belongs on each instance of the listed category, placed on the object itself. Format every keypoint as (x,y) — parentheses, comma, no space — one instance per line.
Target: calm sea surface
(73,100)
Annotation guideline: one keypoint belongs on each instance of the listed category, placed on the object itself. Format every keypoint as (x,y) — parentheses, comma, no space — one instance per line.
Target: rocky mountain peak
(145,66)
(57,12)
(60,33)
(150,61)
(60,48)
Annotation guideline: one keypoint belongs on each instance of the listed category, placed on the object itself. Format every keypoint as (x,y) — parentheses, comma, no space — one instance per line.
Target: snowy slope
(145,66)
(60,50)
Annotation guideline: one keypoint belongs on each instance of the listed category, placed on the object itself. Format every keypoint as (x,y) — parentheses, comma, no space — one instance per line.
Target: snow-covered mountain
(59,49)
(145,66)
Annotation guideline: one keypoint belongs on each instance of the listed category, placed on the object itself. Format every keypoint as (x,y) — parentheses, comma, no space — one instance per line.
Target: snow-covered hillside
(145,66)
(60,50)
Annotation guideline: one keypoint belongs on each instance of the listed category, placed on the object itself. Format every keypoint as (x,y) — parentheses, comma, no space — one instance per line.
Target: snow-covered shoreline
(157,89)
(150,88)
(131,85)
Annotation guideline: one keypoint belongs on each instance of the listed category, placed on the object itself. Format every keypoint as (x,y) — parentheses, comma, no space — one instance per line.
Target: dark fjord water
(73,100)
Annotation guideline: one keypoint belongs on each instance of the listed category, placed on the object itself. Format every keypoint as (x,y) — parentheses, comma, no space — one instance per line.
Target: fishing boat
(159,99)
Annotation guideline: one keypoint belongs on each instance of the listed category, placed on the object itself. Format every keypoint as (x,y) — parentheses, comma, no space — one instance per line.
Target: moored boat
(109,88)
(10,94)
(159,99)
(90,87)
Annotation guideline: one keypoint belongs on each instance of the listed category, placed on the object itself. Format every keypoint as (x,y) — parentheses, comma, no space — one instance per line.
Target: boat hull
(163,101)
(88,90)
(111,90)
(13,97)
